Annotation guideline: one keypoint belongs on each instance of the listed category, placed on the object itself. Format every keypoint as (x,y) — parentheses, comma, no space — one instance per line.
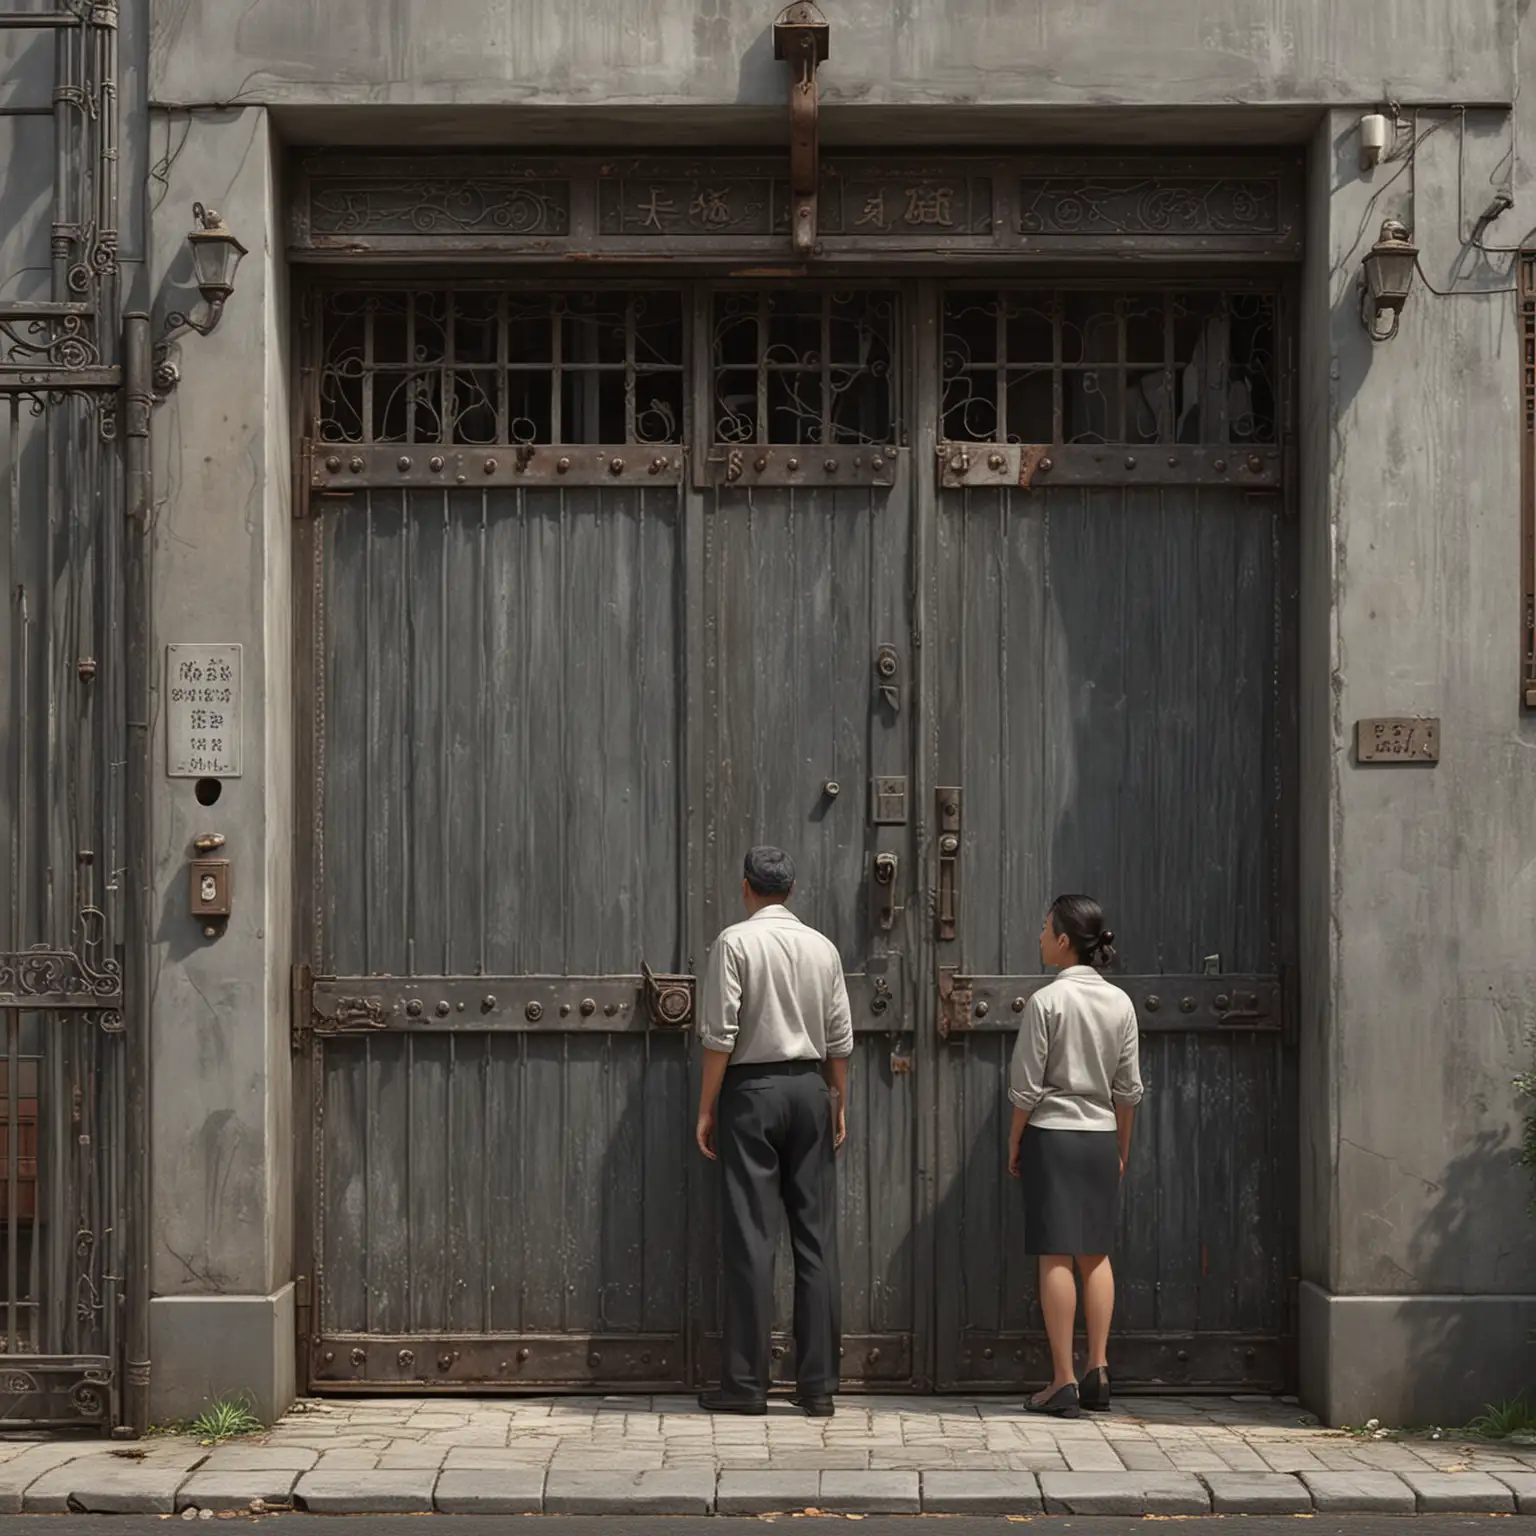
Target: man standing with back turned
(777,1035)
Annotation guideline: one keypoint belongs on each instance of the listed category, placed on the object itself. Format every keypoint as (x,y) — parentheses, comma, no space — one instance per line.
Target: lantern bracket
(800,39)
(216,254)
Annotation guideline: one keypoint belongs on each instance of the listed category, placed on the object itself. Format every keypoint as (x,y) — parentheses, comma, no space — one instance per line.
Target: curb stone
(1523,1486)
(870,1493)
(1359,1493)
(111,1485)
(220,1489)
(981,1493)
(766,1492)
(1124,1493)
(1257,1493)
(1459,1493)
(502,1491)
(629,1493)
(363,1491)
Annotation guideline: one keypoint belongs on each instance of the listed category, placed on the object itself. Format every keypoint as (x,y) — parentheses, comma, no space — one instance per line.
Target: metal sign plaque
(202,711)
(1407,739)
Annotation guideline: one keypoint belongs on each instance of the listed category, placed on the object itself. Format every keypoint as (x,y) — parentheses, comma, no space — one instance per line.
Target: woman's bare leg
(1058,1301)
(1098,1305)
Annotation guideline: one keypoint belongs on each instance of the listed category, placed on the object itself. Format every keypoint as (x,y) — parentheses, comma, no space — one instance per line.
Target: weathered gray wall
(222,1141)
(1421,897)
(609,52)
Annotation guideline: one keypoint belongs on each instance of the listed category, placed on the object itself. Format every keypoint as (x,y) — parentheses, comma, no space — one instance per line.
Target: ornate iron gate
(68,1089)
(966,593)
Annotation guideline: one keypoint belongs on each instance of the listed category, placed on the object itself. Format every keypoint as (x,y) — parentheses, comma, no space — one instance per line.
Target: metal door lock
(882,893)
(210,885)
(946,916)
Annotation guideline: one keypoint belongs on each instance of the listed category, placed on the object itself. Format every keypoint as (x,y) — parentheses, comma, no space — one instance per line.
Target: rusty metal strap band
(340,467)
(965,466)
(1164,1004)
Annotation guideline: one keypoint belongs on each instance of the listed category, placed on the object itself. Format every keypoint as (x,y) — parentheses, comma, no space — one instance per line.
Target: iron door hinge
(955,999)
(302,1021)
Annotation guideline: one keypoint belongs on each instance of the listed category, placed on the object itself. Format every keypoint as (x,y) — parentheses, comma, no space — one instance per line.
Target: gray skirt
(1071,1190)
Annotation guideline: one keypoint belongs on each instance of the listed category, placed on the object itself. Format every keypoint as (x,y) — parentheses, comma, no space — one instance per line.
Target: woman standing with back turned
(1075,1084)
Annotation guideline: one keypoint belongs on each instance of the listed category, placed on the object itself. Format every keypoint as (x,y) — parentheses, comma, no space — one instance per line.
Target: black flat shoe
(1093,1390)
(1059,1405)
(718,1402)
(813,1405)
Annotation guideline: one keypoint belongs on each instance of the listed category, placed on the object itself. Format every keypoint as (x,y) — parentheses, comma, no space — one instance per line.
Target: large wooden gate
(964,593)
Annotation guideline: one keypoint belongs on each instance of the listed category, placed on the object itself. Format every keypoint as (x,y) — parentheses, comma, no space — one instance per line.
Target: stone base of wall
(1413,1360)
(203,1348)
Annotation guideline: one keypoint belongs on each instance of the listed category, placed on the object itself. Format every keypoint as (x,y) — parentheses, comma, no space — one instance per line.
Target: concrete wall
(222,1141)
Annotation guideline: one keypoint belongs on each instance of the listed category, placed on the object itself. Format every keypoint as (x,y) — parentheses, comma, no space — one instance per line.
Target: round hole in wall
(208,791)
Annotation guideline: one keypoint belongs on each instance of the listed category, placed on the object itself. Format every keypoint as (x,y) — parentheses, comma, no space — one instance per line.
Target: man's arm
(715,1063)
(835,1070)
(839,1049)
(719,1007)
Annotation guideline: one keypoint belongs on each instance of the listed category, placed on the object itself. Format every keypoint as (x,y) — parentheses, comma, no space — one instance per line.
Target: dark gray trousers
(775,1142)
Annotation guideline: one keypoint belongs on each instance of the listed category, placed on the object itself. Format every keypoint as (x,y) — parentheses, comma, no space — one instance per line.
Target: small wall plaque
(1405,739)
(202,711)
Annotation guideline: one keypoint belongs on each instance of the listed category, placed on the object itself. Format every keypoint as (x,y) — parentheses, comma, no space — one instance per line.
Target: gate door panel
(807,739)
(1111,549)
(496,1017)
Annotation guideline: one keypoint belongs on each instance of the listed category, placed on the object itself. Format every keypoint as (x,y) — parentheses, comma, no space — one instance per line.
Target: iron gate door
(807,738)
(1112,704)
(495,1025)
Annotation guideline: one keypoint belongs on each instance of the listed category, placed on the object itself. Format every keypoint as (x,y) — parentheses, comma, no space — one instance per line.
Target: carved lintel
(800,39)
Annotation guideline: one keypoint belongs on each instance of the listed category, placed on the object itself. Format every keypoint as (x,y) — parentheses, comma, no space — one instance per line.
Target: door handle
(947,910)
(882,890)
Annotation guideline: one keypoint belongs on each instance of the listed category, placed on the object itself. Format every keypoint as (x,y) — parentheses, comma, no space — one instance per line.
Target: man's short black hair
(769,871)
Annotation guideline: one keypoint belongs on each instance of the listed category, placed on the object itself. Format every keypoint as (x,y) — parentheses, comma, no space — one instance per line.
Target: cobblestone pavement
(879,1454)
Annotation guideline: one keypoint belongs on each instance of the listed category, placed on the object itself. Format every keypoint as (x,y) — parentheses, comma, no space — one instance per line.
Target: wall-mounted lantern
(215,256)
(1386,279)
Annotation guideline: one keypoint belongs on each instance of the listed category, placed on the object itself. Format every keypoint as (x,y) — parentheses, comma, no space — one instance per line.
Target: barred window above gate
(477,367)
(1059,366)
(805,367)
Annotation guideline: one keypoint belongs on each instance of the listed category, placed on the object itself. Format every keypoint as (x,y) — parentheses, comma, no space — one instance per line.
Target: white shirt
(774,991)
(1077,1054)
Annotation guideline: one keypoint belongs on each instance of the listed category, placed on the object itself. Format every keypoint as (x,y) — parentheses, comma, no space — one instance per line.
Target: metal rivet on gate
(534,1010)
(874,1355)
(1250,1354)
(1183,1354)
(1255,463)
(435,463)
(1018,1005)
(1173,461)
(986,1354)
(831,789)
(460,1007)
(406,1358)
(565,1009)
(333,464)
(358,1357)
(402,463)
(461,479)
(877,463)
(761,463)
(1018,1354)
(858,461)
(1223,1002)
(996,461)
(1186,1005)
(792,464)
(356,466)
(442,1007)
(983,1008)
(488,1002)
(588,1007)
(1130,461)
(563,465)
(330,1355)
(611,1009)
(1154,1003)
(615,466)
(657,465)
(414,1007)
(444,1362)
(1220,466)
(594,1358)
(645,1359)
(522,1355)
(1043,467)
(489,466)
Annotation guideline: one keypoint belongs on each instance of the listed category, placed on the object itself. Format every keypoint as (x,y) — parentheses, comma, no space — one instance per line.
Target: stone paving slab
(1523,1486)
(1459,1493)
(1124,1493)
(23,1470)
(114,1484)
(629,1493)
(1360,1492)
(219,1490)
(981,1493)
(870,1493)
(364,1491)
(1257,1493)
(767,1492)
(498,1491)
(260,1458)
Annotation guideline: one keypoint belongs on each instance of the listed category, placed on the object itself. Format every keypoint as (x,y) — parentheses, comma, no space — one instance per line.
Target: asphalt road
(714,1525)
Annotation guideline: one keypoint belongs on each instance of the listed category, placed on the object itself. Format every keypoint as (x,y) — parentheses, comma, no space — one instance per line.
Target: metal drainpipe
(138,402)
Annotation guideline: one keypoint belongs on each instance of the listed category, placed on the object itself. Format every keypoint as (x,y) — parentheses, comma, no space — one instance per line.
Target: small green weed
(225,1419)
(1500,1420)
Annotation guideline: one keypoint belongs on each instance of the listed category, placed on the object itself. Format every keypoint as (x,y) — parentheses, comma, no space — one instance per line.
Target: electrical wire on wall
(1501,204)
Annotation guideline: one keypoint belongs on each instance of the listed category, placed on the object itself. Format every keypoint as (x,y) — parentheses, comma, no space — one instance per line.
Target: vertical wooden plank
(548,792)
(512,888)
(426,602)
(431,1134)
(587,1089)
(470,1175)
(544,1156)
(622,1189)
(509,1170)
(387,1153)
(343,1299)
(667,1210)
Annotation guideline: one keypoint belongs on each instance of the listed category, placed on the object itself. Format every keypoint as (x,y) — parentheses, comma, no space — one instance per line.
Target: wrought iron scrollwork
(64,342)
(56,978)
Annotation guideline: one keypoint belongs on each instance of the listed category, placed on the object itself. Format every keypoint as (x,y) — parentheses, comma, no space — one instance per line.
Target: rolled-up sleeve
(721,1004)
(839,1016)
(1026,1074)
(1126,1088)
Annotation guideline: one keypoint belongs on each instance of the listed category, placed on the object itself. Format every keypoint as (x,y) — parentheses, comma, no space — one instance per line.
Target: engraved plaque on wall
(1405,739)
(202,711)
